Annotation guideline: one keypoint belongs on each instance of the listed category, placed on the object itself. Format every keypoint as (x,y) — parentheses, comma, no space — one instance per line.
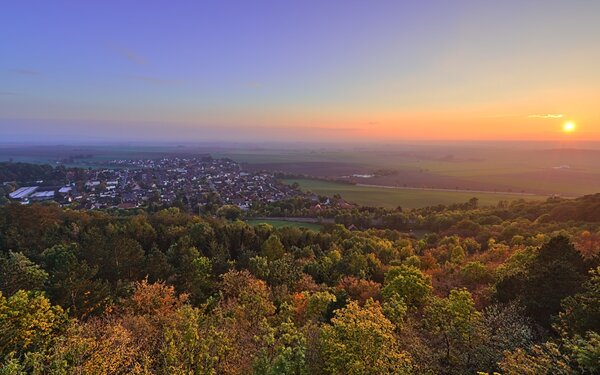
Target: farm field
(406,198)
(537,169)
(285,223)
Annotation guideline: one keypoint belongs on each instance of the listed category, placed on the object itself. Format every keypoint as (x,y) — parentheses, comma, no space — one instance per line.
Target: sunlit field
(403,197)
(284,223)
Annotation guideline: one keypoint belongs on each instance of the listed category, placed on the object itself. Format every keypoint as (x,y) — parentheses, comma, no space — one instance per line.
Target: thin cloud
(547,116)
(321,129)
(26,72)
(7,93)
(155,80)
(130,55)
(253,85)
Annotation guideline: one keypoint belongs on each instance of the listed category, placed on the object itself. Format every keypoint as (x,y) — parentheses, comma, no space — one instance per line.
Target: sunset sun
(568,127)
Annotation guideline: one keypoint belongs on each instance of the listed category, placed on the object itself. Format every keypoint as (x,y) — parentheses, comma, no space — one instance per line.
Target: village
(188,182)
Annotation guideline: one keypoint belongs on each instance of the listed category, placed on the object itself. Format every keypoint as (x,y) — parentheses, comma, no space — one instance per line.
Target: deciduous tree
(361,340)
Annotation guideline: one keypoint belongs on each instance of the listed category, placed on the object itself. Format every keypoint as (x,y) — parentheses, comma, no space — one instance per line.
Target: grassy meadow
(285,223)
(406,198)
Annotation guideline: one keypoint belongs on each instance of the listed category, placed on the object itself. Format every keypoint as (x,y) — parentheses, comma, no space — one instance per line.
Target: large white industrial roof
(43,194)
(23,192)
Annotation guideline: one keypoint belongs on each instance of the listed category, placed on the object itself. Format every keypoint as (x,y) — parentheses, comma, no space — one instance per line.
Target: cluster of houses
(191,182)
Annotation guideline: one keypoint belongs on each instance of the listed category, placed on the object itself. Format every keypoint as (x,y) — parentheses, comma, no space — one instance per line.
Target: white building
(23,193)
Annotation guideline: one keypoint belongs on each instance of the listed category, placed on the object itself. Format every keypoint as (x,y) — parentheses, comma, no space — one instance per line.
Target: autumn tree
(311,306)
(236,323)
(588,244)
(361,340)
(544,359)
(147,312)
(98,346)
(28,322)
(359,289)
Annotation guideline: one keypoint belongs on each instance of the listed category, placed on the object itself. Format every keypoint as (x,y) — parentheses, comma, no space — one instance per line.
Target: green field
(527,168)
(285,223)
(406,198)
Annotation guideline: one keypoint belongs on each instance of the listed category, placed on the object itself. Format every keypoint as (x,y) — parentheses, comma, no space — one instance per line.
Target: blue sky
(156,70)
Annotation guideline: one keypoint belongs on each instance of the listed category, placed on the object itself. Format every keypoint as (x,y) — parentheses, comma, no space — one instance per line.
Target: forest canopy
(481,289)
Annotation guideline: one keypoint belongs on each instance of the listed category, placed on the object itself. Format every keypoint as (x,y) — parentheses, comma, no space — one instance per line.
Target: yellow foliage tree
(361,340)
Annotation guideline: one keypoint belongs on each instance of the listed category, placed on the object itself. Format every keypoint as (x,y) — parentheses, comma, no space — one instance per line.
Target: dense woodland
(25,173)
(513,289)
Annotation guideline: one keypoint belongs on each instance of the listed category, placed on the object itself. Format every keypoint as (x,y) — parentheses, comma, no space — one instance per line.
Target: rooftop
(23,192)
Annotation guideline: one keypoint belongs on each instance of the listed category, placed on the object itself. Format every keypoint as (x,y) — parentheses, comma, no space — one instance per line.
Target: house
(344,205)
(352,228)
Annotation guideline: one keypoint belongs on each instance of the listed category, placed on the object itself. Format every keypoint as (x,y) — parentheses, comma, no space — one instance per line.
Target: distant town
(188,182)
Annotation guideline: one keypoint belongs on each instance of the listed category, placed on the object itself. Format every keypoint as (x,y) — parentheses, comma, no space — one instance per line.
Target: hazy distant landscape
(435,173)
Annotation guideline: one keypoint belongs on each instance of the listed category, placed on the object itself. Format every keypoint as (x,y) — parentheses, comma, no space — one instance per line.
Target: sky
(299,70)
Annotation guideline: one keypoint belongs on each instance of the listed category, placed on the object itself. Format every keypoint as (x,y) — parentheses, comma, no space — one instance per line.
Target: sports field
(406,198)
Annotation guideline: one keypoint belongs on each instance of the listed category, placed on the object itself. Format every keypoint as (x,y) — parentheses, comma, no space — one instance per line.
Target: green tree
(475,272)
(581,312)
(72,283)
(512,274)
(395,310)
(585,351)
(272,248)
(192,272)
(18,272)
(190,347)
(229,212)
(457,324)
(407,283)
(457,254)
(156,266)
(557,272)
(284,352)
